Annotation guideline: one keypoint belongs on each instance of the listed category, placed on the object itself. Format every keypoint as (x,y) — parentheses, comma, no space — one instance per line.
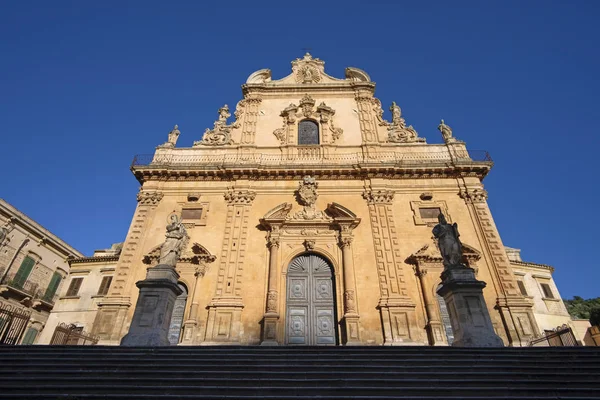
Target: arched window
(177,316)
(308,132)
(445,318)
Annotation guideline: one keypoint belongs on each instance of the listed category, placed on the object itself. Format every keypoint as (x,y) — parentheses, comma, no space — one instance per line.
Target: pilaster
(516,310)
(112,313)
(351,316)
(225,309)
(397,310)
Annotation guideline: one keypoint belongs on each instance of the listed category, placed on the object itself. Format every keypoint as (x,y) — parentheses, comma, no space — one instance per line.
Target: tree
(580,308)
(595,317)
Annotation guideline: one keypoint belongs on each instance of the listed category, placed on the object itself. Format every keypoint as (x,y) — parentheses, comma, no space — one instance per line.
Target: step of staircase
(333,373)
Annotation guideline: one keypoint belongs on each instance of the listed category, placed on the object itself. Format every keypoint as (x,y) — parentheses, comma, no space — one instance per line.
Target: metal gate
(561,336)
(72,335)
(13,321)
(310,316)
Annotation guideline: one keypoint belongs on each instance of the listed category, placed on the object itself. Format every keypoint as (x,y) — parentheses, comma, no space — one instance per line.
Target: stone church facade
(309,218)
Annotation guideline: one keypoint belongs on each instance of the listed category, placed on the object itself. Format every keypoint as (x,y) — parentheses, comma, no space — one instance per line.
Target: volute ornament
(220,135)
(398,132)
(149,198)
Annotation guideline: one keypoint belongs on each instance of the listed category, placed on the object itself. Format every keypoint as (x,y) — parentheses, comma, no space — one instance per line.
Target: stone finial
(220,135)
(398,132)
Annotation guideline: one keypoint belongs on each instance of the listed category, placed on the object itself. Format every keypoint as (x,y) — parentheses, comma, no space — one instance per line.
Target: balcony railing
(313,158)
(26,287)
(30,289)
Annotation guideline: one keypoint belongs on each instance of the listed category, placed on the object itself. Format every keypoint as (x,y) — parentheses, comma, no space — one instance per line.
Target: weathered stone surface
(469,316)
(150,324)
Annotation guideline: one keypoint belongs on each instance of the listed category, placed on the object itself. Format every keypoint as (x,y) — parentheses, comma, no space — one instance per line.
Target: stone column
(351,317)
(152,316)
(471,322)
(434,326)
(271,310)
(191,323)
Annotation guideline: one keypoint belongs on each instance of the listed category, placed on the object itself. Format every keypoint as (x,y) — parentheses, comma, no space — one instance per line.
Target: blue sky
(84,86)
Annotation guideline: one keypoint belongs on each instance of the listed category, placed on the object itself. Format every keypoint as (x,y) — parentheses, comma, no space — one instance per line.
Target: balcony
(28,293)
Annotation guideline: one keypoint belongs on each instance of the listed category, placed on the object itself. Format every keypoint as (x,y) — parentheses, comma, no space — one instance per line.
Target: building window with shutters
(308,133)
(30,336)
(52,287)
(104,285)
(23,272)
(74,286)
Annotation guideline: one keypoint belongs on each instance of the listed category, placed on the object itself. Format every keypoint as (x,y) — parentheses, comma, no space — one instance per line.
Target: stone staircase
(333,373)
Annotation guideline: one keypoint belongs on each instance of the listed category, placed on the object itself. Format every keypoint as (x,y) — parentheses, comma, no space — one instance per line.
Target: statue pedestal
(152,316)
(469,315)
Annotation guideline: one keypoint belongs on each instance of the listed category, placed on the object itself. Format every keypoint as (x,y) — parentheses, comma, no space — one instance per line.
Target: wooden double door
(310,304)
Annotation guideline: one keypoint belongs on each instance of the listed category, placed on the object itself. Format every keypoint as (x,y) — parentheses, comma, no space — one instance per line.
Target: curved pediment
(260,76)
(431,254)
(279,212)
(338,211)
(197,254)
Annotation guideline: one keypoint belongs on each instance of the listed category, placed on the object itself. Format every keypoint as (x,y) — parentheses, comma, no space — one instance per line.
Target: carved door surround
(327,234)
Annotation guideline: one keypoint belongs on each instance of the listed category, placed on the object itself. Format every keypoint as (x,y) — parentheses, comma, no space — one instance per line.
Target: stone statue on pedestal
(448,243)
(175,238)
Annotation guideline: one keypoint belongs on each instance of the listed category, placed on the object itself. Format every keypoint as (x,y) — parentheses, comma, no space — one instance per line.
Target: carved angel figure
(175,238)
(448,243)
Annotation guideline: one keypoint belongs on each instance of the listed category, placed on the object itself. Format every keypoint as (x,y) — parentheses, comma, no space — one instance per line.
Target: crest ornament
(398,132)
(307,197)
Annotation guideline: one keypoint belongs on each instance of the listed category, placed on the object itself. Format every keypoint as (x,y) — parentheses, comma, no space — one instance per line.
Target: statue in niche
(398,132)
(446,132)
(448,243)
(176,237)
(172,139)
(221,133)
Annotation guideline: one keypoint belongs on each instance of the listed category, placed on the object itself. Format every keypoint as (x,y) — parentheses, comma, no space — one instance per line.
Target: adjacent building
(34,264)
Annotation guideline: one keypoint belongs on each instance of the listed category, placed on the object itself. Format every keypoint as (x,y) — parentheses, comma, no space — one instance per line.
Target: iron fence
(312,157)
(561,336)
(13,321)
(72,335)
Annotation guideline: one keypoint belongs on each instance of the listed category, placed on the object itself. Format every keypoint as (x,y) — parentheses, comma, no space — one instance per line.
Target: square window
(547,291)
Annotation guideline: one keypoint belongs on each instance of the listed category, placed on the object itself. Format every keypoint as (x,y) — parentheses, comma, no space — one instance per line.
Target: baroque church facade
(309,218)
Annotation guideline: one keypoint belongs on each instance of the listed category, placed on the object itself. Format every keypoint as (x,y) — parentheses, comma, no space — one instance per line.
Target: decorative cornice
(234,196)
(382,196)
(100,259)
(149,198)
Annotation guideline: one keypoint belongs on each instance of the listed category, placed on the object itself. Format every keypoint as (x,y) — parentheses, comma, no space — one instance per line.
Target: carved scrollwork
(272,301)
(473,196)
(378,196)
(220,135)
(307,197)
(349,301)
(149,198)
(398,132)
(240,196)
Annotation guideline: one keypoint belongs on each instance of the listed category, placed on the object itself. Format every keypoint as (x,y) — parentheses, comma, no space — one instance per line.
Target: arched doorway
(310,302)
(177,316)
